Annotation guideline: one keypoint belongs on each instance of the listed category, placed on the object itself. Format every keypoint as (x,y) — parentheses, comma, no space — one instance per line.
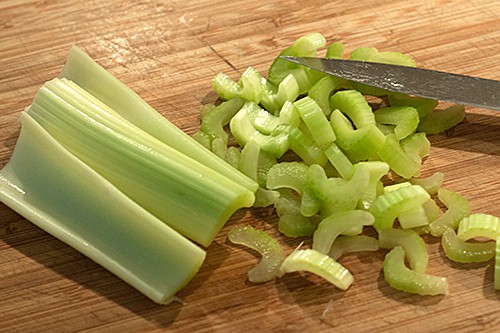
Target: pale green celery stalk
(322,90)
(213,121)
(62,195)
(320,264)
(85,72)
(349,244)
(274,98)
(303,145)
(291,222)
(374,188)
(431,184)
(287,175)
(413,218)
(338,194)
(243,130)
(405,119)
(441,120)
(402,278)
(400,162)
(164,181)
(413,245)
(249,87)
(388,206)
(416,146)
(355,106)
(466,252)
(310,204)
(314,118)
(339,160)
(337,224)
(358,144)
(479,225)
(272,254)
(424,106)
(458,208)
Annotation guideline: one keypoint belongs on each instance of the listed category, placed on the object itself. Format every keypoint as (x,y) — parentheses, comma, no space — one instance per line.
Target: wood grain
(167,51)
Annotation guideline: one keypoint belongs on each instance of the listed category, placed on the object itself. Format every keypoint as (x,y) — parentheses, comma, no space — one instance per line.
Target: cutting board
(167,51)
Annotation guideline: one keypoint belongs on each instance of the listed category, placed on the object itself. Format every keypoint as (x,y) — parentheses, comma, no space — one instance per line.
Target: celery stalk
(466,252)
(62,195)
(84,71)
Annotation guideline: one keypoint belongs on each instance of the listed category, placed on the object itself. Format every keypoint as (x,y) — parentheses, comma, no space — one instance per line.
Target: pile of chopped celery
(98,168)
(337,158)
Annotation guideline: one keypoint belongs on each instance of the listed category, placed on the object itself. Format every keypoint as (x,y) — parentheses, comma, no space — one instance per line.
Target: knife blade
(438,85)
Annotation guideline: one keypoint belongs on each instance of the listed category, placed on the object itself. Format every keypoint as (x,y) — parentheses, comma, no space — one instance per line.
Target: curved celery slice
(336,224)
(441,120)
(271,251)
(424,106)
(315,120)
(479,225)
(292,222)
(431,184)
(405,118)
(388,206)
(59,193)
(465,252)
(413,218)
(412,244)
(150,172)
(319,264)
(416,146)
(287,175)
(86,73)
(213,121)
(359,144)
(349,244)
(355,106)
(457,208)
(322,90)
(310,205)
(339,160)
(399,161)
(249,87)
(402,278)
(369,193)
(302,144)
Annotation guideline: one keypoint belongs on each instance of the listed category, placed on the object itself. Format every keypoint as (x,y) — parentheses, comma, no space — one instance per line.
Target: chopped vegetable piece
(213,122)
(339,160)
(479,225)
(424,106)
(315,120)
(355,106)
(319,264)
(402,278)
(466,252)
(322,90)
(65,197)
(405,118)
(336,224)
(458,208)
(413,218)
(431,184)
(287,175)
(292,222)
(412,244)
(249,86)
(441,120)
(349,244)
(391,204)
(393,154)
(271,251)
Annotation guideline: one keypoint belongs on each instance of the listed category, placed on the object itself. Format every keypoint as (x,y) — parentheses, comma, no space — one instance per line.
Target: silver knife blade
(438,85)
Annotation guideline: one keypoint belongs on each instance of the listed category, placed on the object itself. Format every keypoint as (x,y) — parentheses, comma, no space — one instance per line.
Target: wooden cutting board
(167,51)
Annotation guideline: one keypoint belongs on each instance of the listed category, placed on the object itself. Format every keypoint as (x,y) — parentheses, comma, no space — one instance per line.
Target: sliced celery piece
(413,245)
(319,264)
(349,244)
(249,87)
(391,204)
(86,73)
(337,224)
(458,208)
(369,193)
(400,162)
(150,172)
(466,252)
(322,90)
(303,145)
(479,225)
(405,118)
(441,120)
(413,218)
(335,50)
(402,278)
(339,160)
(287,175)
(431,184)
(62,195)
(213,121)
(291,221)
(314,118)
(272,254)
(416,146)
(355,106)
(424,106)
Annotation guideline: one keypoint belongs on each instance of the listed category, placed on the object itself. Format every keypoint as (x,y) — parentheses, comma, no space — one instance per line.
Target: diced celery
(319,264)
(431,184)
(323,89)
(402,278)
(335,50)
(337,224)
(405,119)
(416,146)
(466,252)
(441,120)
(213,122)
(355,106)
(349,244)
(62,195)
(479,225)
(399,161)
(314,118)
(287,175)
(339,160)
(369,193)
(291,222)
(458,208)
(424,106)
(272,254)
(249,87)
(391,204)
(86,73)
(303,145)
(412,244)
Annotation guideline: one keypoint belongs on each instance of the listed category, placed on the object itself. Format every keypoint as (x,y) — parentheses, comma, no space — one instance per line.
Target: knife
(442,86)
